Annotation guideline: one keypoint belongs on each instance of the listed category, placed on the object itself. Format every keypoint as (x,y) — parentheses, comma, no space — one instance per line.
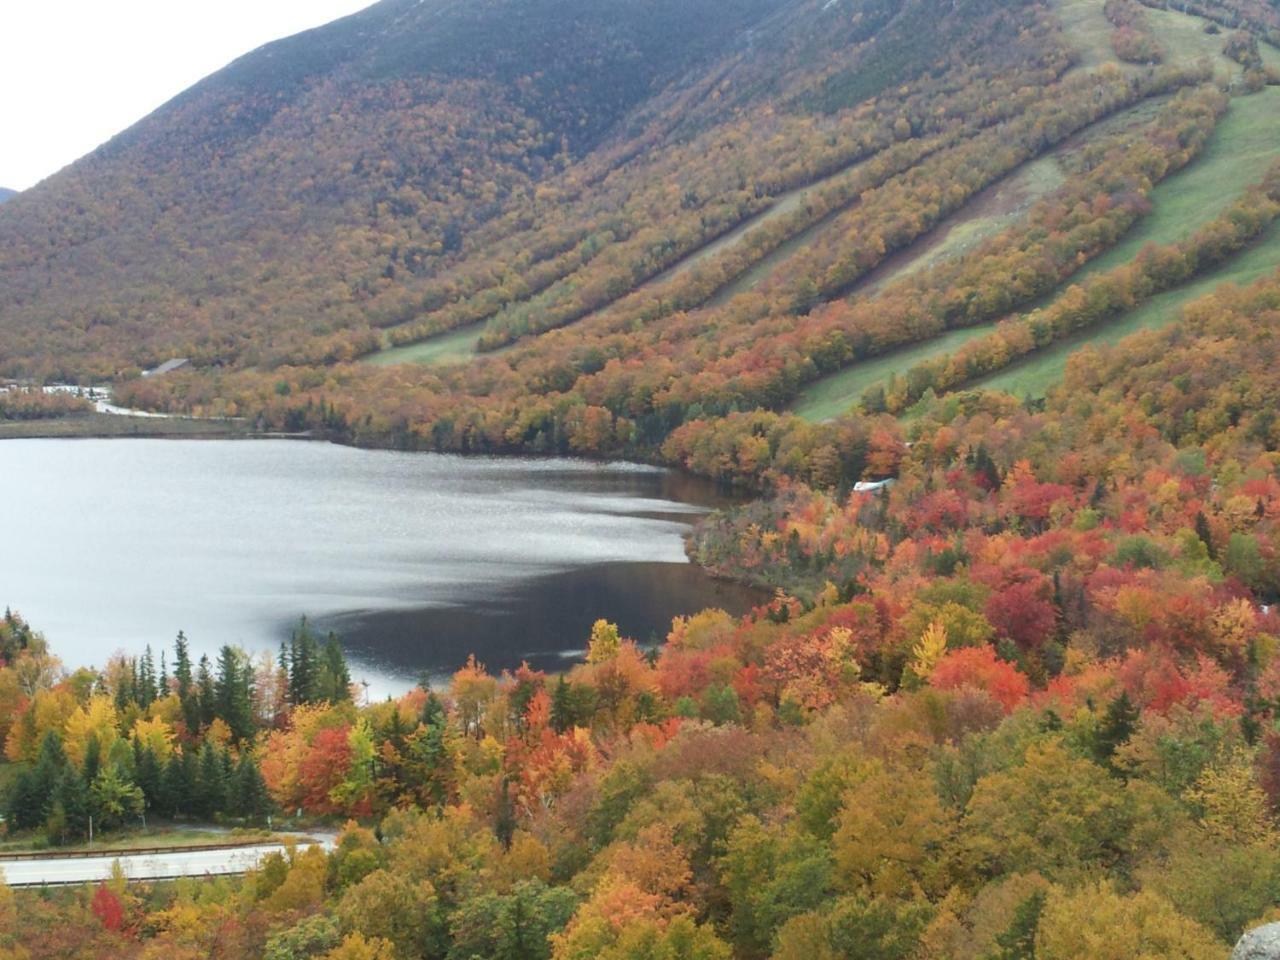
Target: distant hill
(6,194)
(415,120)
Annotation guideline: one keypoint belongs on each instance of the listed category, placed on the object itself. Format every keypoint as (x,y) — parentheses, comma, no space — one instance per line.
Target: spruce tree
(335,685)
(233,693)
(1205,534)
(127,685)
(24,808)
(92,759)
(249,794)
(1118,724)
(561,707)
(303,665)
(211,784)
(179,785)
(148,775)
(50,763)
(206,698)
(146,692)
(68,818)
(184,683)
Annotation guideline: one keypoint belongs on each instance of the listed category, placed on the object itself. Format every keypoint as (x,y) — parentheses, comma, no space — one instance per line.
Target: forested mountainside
(982,304)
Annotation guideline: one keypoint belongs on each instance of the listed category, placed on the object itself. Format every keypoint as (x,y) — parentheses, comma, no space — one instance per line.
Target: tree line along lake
(416,560)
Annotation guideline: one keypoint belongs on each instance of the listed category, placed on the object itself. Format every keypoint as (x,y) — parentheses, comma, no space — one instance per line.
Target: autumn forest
(974,307)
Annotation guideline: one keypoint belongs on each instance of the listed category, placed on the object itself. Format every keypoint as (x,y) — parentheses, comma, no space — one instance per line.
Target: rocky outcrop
(1260,943)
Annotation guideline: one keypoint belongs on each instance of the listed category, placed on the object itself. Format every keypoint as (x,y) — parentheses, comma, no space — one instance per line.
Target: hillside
(289,183)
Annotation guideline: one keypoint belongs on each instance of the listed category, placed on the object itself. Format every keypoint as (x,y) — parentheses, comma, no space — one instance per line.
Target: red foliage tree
(107,908)
(980,668)
(325,767)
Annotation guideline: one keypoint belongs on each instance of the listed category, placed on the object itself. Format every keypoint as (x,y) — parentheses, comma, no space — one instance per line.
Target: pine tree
(92,759)
(335,678)
(303,667)
(249,793)
(561,707)
(49,766)
(24,807)
(206,699)
(146,691)
(127,685)
(211,784)
(1018,941)
(233,693)
(184,684)
(148,775)
(179,785)
(1118,724)
(68,817)
(1205,534)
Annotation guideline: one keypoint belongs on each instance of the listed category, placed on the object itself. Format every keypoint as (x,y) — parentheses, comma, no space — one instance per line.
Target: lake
(415,559)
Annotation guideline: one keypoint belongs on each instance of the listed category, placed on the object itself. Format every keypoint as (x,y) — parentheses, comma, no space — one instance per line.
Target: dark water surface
(416,559)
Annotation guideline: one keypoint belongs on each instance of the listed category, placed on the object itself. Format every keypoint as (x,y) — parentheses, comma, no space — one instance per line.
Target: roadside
(205,860)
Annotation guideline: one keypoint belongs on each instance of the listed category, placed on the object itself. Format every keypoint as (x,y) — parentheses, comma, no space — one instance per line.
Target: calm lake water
(415,559)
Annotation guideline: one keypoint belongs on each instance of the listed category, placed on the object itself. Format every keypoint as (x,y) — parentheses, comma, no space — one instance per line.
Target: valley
(665,480)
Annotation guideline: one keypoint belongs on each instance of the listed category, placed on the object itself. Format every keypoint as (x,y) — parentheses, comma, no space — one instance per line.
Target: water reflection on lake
(417,559)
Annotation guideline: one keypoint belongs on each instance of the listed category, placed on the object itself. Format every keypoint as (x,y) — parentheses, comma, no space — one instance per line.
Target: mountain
(320,187)
(7,194)
(575,226)
(413,120)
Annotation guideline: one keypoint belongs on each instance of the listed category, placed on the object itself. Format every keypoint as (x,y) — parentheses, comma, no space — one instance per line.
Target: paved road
(145,866)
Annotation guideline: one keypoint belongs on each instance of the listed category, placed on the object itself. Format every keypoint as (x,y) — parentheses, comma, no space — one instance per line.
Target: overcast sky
(75,72)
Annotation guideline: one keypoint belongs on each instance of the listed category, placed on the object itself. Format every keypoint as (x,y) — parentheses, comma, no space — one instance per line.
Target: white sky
(73,73)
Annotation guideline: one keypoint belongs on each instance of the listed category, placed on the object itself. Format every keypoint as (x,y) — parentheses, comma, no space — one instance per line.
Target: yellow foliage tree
(356,947)
(96,719)
(1233,807)
(929,649)
(1096,923)
(604,643)
(156,735)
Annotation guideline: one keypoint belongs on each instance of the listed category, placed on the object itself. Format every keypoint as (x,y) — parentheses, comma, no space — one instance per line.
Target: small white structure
(871,486)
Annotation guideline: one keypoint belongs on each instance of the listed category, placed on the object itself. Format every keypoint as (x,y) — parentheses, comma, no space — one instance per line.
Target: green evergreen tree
(335,678)
(504,821)
(149,775)
(211,784)
(179,785)
(184,683)
(233,693)
(147,680)
(92,759)
(1018,941)
(69,812)
(24,807)
(206,697)
(126,685)
(561,707)
(1118,723)
(303,665)
(1205,534)
(250,798)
